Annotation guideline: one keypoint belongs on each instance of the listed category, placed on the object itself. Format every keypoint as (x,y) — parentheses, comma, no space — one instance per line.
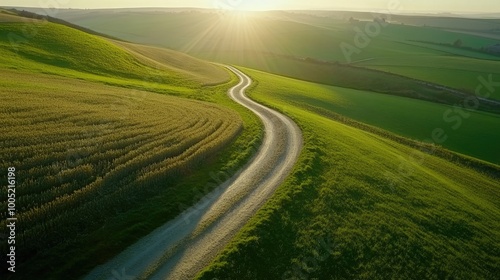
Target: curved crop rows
(86,152)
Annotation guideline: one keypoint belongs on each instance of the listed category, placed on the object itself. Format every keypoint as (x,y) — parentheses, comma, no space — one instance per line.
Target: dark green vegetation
(362,206)
(96,160)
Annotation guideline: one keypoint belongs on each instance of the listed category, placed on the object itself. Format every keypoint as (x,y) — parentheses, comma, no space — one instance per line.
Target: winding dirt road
(184,246)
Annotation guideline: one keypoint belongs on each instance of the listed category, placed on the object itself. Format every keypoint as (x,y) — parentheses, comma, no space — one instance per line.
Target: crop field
(93,151)
(360,206)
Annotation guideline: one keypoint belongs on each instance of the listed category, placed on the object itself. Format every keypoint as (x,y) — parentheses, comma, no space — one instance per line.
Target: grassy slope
(58,50)
(196,69)
(359,206)
(80,55)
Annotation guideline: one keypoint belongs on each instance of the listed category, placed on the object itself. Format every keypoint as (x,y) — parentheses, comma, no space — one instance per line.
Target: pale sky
(462,6)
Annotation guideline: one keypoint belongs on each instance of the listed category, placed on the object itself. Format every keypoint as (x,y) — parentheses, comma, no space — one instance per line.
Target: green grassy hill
(57,49)
(76,51)
(362,206)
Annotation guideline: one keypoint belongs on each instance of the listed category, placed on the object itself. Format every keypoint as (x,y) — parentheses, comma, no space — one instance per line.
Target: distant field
(476,136)
(360,206)
(472,22)
(457,51)
(484,22)
(450,77)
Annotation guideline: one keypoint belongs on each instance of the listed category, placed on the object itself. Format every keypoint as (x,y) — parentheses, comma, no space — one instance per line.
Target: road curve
(185,245)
